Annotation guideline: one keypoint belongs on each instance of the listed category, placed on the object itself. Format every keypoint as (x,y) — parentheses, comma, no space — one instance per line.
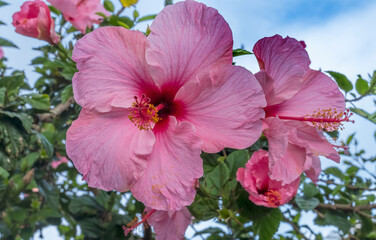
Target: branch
(59,109)
(346,207)
(295,227)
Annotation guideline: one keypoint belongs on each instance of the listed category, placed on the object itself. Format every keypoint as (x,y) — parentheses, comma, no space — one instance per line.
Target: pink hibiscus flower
(300,102)
(1,53)
(81,13)
(167,225)
(261,188)
(34,20)
(151,104)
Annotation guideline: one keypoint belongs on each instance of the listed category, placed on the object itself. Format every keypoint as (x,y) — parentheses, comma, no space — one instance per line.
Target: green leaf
(361,86)
(310,190)
(146,18)
(210,161)
(215,180)
(335,172)
(3,91)
(24,118)
(351,171)
(12,136)
(46,145)
(136,14)
(28,161)
(333,134)
(168,2)
(306,204)
(67,93)
(338,219)
(54,10)
(13,83)
(3,173)
(37,101)
(50,192)
(342,81)
(268,225)
(364,114)
(2,3)
(84,205)
(108,6)
(240,52)
(350,138)
(235,160)
(204,208)
(7,43)
(2,23)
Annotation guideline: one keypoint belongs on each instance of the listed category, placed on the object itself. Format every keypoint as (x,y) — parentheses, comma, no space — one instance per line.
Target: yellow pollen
(274,198)
(329,119)
(143,114)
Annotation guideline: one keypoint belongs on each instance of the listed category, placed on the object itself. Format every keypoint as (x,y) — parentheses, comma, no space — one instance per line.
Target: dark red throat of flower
(326,119)
(135,223)
(143,114)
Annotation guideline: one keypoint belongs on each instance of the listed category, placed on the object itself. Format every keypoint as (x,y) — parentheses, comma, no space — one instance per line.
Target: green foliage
(342,81)
(240,52)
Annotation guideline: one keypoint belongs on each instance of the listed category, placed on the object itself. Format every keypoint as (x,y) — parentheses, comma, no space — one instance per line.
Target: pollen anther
(329,119)
(274,198)
(143,114)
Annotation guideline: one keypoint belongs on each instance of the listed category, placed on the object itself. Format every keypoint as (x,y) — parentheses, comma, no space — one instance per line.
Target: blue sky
(340,36)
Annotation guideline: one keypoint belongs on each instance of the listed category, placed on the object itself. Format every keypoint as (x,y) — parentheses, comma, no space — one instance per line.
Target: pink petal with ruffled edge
(286,160)
(312,139)
(168,182)
(225,107)
(312,167)
(317,92)
(82,13)
(286,61)
(187,38)
(108,149)
(170,225)
(112,68)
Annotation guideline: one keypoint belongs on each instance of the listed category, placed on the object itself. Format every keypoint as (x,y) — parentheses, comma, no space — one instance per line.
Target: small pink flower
(261,188)
(1,53)
(81,13)
(34,20)
(151,104)
(300,103)
(62,159)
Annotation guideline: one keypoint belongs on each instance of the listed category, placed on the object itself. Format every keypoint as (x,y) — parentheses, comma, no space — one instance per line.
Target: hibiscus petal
(286,61)
(226,108)
(169,181)
(312,167)
(187,38)
(317,92)
(312,139)
(170,225)
(108,149)
(112,68)
(286,159)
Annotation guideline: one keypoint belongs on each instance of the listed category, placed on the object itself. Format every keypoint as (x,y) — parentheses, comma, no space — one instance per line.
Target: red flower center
(144,114)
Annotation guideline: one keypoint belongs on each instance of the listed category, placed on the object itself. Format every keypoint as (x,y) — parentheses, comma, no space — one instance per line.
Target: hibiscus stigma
(326,119)
(144,114)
